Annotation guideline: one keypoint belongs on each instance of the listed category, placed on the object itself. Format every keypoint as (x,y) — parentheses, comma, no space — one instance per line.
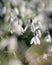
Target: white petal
(26,28)
(38,40)
(39,33)
(32,27)
(4,10)
(32,40)
(48,38)
(16,11)
(45,56)
(19,30)
(50,49)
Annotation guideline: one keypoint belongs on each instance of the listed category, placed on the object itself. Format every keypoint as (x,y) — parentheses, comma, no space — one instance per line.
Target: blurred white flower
(34,28)
(16,11)
(4,10)
(35,40)
(16,27)
(13,44)
(48,38)
(26,27)
(50,49)
(12,16)
(14,62)
(39,33)
(35,19)
(19,30)
(38,40)
(45,56)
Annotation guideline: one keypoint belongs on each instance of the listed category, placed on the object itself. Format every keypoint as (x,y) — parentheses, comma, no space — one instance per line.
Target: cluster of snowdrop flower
(36,32)
(19,30)
(16,26)
(35,25)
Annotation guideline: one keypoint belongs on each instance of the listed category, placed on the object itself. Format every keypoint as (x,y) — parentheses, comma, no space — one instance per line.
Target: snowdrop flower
(14,62)
(12,17)
(38,18)
(35,20)
(4,10)
(35,40)
(38,40)
(16,11)
(12,31)
(38,32)
(18,29)
(45,56)
(50,49)
(48,38)
(34,28)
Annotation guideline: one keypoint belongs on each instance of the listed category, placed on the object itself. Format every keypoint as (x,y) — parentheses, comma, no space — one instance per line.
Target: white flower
(35,40)
(12,17)
(38,40)
(39,33)
(4,10)
(13,44)
(16,11)
(16,28)
(48,38)
(34,28)
(45,56)
(14,62)
(50,49)
(19,30)
(35,19)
